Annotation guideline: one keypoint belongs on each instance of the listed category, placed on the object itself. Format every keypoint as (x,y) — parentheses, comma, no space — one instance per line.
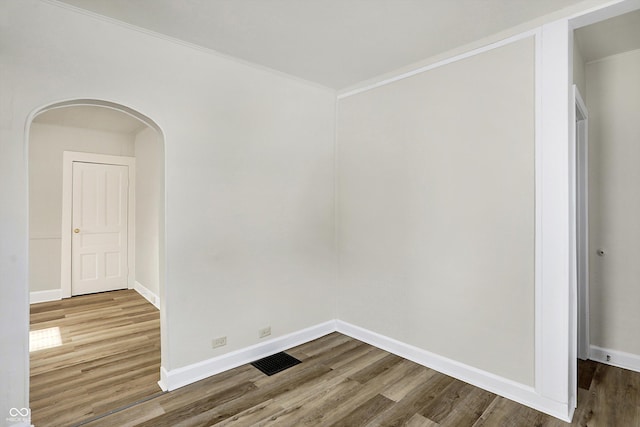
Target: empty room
(319,212)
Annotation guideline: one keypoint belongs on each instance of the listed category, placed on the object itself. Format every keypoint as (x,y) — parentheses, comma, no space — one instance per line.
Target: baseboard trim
(180,377)
(616,358)
(45,296)
(147,294)
(523,394)
(504,387)
(163,379)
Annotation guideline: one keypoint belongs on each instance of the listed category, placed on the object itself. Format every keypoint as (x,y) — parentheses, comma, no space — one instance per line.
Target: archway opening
(106,352)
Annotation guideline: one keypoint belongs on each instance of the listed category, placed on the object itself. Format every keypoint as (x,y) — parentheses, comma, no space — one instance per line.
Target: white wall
(149,208)
(579,70)
(249,179)
(243,219)
(436,208)
(46,144)
(613,85)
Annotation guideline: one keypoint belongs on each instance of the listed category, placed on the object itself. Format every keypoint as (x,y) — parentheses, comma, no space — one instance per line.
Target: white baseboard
(147,294)
(176,378)
(526,395)
(504,387)
(44,296)
(164,379)
(616,358)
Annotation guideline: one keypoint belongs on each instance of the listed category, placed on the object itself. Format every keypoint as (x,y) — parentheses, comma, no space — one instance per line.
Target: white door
(582,243)
(582,224)
(99,228)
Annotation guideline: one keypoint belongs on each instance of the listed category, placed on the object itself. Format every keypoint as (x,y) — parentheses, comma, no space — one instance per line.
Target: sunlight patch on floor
(44,338)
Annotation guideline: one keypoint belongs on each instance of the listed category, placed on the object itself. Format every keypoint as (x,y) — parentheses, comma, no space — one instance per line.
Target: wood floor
(108,355)
(344,382)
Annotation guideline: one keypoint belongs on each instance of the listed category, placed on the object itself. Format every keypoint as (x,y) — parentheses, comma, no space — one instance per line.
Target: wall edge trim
(520,393)
(184,43)
(163,379)
(147,294)
(180,377)
(45,296)
(618,358)
(438,64)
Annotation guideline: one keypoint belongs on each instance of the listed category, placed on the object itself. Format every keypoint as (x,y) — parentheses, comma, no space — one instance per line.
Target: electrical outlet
(218,342)
(264,332)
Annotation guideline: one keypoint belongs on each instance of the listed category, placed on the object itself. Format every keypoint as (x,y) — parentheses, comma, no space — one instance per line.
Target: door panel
(99,228)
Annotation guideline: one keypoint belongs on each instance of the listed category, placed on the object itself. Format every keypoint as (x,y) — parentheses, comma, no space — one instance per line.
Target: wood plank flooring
(344,382)
(108,356)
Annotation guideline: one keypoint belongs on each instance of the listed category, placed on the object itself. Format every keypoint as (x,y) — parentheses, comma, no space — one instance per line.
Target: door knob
(76,230)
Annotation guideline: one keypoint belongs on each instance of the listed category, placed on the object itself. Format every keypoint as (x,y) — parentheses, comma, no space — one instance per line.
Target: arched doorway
(95,134)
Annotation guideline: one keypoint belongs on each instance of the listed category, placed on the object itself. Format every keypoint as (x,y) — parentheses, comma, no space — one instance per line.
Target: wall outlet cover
(264,332)
(218,342)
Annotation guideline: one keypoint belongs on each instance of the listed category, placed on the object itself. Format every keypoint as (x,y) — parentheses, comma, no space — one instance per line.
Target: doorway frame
(68,158)
(580,143)
(564,71)
(21,315)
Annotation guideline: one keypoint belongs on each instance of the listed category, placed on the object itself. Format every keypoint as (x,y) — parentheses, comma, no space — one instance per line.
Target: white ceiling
(92,117)
(610,37)
(335,43)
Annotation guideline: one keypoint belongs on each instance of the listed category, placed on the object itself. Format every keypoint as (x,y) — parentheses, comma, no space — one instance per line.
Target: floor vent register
(275,363)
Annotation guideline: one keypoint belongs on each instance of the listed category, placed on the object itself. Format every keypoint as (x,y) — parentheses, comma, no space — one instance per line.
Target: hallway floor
(98,353)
